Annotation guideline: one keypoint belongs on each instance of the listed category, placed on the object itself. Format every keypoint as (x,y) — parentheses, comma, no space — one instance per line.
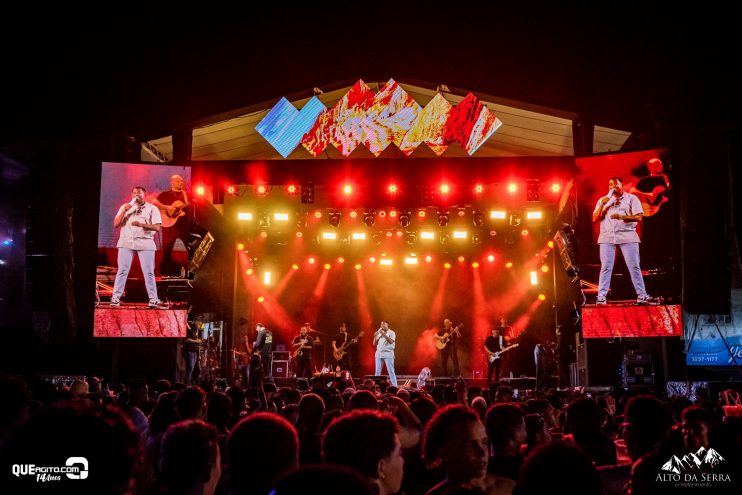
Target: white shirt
(384,349)
(137,238)
(616,231)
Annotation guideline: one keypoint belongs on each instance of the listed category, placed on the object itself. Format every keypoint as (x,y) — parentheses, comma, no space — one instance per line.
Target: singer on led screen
(138,221)
(619,213)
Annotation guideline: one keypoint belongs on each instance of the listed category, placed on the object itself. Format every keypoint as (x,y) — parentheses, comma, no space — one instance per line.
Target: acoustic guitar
(441,343)
(169,219)
(341,351)
(496,355)
(652,206)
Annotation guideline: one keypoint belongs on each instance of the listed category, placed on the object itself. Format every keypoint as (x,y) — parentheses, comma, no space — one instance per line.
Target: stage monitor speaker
(280,355)
(279,368)
(376,378)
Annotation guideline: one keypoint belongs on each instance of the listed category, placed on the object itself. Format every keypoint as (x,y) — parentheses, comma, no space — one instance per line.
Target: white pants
(146,260)
(389,362)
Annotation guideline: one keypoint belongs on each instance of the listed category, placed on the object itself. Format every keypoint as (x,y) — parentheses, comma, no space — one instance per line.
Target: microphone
(133,201)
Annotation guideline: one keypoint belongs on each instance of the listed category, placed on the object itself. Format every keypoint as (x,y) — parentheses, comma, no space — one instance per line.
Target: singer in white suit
(619,213)
(384,341)
(138,221)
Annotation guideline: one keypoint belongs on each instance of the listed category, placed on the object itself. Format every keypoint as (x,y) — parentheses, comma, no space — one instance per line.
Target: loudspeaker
(280,355)
(279,368)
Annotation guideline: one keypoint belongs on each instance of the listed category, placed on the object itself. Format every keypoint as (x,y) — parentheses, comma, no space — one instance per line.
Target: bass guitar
(342,350)
(169,218)
(657,198)
(442,342)
(496,355)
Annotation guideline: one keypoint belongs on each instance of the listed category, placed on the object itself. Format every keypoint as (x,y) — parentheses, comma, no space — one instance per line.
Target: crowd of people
(342,437)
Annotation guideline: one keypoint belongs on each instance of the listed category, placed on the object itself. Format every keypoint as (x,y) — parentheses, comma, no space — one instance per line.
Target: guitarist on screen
(173,205)
(447,341)
(493,345)
(652,189)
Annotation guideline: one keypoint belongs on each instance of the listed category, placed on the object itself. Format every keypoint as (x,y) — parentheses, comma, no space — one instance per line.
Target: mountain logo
(699,460)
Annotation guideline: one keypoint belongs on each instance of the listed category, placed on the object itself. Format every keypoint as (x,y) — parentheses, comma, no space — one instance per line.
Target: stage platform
(626,319)
(522,383)
(137,320)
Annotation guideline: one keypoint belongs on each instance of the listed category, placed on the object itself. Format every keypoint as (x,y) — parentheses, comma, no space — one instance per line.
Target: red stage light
(261,190)
(478,188)
(317,214)
(382,213)
(392,188)
(544,268)
(299,234)
(311,261)
(392,213)
(542,297)
(372,259)
(341,260)
(446,265)
(327,266)
(444,188)
(347,189)
(550,244)
(231,189)
(261,299)
(428,259)
(240,246)
(389,233)
(524,232)
(200,190)
(421,213)
(264,234)
(461,259)
(353,214)
(509,264)
(556,187)
(491,258)
(399,233)
(248,271)
(358,266)
(512,187)
(475,265)
(294,266)
(292,189)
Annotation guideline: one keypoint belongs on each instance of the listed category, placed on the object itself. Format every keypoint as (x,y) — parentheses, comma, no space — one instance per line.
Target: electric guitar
(652,206)
(496,355)
(300,350)
(169,219)
(443,341)
(341,351)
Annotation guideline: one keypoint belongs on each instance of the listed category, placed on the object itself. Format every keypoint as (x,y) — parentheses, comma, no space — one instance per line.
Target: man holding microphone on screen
(619,213)
(138,221)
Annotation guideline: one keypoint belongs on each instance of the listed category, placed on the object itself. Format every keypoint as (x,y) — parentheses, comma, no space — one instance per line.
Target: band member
(341,342)
(264,346)
(384,341)
(192,347)
(303,344)
(618,213)
(174,206)
(447,341)
(492,345)
(138,221)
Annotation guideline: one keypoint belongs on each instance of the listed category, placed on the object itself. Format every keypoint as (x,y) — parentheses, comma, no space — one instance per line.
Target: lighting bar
(385,261)
(358,236)
(283,217)
(460,234)
(498,214)
(426,234)
(267,278)
(534,215)
(244,215)
(410,261)
(329,235)
(534,278)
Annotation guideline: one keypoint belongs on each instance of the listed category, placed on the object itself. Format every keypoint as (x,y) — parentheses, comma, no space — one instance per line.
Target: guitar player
(302,356)
(174,207)
(448,343)
(342,340)
(496,343)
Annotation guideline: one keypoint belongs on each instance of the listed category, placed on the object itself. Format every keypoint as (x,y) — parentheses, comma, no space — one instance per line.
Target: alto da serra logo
(700,460)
